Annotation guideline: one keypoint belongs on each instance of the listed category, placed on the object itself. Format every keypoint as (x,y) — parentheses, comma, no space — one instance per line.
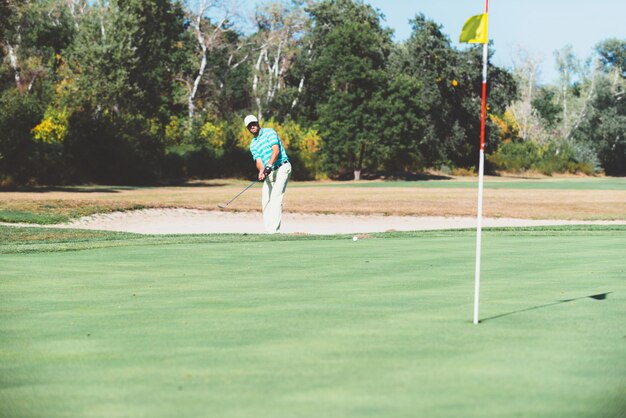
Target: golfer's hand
(261,176)
(267,170)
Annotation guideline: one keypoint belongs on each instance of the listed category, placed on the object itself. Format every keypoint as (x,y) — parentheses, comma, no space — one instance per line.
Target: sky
(537,26)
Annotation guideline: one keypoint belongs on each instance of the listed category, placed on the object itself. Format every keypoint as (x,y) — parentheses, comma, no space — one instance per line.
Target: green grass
(55,212)
(19,240)
(601,183)
(258,326)
(16,216)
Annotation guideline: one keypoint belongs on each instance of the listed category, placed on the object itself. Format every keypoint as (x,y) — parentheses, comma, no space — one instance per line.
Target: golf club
(223,205)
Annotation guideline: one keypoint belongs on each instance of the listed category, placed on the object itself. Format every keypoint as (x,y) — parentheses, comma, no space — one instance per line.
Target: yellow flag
(475,30)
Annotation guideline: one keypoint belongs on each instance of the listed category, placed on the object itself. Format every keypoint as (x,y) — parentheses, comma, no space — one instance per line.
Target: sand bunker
(188,221)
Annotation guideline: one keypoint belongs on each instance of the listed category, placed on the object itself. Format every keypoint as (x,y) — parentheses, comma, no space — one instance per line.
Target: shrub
(22,158)
(205,148)
(567,157)
(515,157)
(190,161)
(556,156)
(114,149)
(214,134)
(53,127)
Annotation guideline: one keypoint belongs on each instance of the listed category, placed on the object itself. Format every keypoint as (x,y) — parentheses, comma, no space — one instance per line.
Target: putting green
(259,327)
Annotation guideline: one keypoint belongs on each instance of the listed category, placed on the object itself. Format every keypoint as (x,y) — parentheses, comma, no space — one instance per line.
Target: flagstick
(479,234)
(481,176)
(478,237)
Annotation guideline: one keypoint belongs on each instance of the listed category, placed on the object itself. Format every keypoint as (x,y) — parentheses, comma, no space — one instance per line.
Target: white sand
(187,221)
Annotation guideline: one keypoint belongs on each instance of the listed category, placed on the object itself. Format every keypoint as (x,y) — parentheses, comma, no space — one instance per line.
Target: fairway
(203,326)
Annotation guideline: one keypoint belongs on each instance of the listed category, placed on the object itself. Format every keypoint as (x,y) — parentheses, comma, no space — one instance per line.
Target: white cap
(249,119)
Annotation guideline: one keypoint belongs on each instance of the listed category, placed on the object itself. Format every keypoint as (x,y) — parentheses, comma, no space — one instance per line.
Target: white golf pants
(274,188)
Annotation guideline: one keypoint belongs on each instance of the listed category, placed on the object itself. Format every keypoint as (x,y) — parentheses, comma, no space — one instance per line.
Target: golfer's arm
(274,156)
(259,165)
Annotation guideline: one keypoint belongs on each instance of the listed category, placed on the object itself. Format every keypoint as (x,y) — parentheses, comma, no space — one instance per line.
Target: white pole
(479,235)
(481,175)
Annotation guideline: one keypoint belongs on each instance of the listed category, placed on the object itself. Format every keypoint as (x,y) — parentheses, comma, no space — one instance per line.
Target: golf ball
(354,238)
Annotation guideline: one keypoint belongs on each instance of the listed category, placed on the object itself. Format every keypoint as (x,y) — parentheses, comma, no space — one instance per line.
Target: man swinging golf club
(274,171)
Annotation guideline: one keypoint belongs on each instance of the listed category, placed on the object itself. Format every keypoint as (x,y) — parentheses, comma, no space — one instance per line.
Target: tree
(154,30)
(547,107)
(21,158)
(404,124)
(5,17)
(451,87)
(118,89)
(210,37)
(526,115)
(281,27)
(577,82)
(122,60)
(33,33)
(345,72)
(613,55)
(603,129)
(77,9)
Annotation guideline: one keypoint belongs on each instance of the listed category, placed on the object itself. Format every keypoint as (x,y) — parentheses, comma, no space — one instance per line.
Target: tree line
(135,92)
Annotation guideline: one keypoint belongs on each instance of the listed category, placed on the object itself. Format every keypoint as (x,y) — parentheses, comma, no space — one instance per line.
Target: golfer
(274,171)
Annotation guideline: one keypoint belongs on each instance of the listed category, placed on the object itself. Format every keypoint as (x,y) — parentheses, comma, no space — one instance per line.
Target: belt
(276,166)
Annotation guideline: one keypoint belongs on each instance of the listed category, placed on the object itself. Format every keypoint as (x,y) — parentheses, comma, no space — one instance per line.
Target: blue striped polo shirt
(261,147)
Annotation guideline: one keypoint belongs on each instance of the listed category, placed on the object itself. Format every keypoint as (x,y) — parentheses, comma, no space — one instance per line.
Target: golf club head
(223,205)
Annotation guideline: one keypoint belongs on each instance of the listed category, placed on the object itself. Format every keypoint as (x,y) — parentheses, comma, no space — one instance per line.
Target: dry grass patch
(64,204)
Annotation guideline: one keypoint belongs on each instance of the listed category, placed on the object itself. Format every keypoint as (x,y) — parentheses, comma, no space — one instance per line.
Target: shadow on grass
(68,189)
(393,176)
(599,296)
(196,183)
(408,176)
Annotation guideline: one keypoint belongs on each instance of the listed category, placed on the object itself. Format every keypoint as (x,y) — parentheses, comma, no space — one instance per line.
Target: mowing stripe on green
(377,327)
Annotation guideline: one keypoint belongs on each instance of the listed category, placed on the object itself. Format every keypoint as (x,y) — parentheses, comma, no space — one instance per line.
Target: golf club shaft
(241,192)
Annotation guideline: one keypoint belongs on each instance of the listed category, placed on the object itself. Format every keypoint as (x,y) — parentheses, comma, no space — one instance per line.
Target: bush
(23,159)
(515,157)
(190,161)
(206,149)
(113,149)
(554,157)
(567,157)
